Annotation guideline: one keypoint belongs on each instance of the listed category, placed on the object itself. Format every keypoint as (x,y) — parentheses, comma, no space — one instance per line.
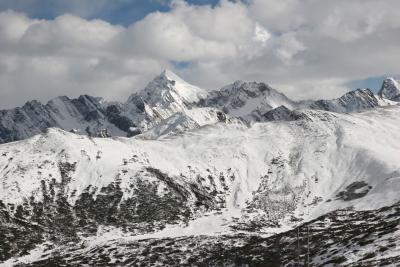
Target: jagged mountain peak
(390,89)
(360,93)
(250,88)
(170,75)
(248,100)
(351,101)
(168,87)
(164,96)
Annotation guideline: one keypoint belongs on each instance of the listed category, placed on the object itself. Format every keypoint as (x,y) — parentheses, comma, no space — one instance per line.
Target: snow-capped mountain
(162,98)
(247,100)
(253,101)
(230,175)
(169,105)
(390,89)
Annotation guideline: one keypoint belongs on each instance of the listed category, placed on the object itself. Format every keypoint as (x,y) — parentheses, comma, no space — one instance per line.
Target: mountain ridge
(167,95)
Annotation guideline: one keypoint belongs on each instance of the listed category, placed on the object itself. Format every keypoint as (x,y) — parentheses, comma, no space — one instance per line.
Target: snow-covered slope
(390,89)
(285,163)
(222,179)
(189,120)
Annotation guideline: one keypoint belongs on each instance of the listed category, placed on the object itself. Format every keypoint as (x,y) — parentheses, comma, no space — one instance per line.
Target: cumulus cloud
(305,48)
(69,55)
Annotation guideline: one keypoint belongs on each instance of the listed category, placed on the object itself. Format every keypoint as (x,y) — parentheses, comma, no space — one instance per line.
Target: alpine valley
(179,176)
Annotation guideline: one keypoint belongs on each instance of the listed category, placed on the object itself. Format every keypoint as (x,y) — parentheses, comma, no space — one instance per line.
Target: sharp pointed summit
(170,75)
(187,91)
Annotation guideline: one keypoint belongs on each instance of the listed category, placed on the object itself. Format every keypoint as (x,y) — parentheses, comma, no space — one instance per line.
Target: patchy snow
(33,255)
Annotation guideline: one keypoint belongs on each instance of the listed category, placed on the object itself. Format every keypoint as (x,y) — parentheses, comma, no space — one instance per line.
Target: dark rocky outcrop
(329,237)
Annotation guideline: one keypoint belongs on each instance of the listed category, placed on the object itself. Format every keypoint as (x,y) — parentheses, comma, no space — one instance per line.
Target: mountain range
(169,104)
(179,176)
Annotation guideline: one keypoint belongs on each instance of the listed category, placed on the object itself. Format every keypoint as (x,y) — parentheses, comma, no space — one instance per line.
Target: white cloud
(41,59)
(193,33)
(12,26)
(307,48)
(168,37)
(261,34)
(288,47)
(280,16)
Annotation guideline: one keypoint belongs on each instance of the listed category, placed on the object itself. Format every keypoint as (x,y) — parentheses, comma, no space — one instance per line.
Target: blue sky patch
(373,83)
(123,12)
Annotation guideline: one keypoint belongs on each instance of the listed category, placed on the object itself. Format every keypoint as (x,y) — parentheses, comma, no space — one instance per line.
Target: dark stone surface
(145,210)
(354,190)
(329,235)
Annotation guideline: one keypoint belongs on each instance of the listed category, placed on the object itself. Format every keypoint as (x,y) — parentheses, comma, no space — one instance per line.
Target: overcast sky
(111,48)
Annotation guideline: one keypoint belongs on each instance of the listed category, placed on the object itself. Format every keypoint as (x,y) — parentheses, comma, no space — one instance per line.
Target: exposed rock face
(339,238)
(248,100)
(355,190)
(357,100)
(279,113)
(84,113)
(115,115)
(163,97)
(390,89)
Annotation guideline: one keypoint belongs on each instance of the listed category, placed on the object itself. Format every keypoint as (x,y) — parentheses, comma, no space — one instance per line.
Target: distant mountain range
(168,105)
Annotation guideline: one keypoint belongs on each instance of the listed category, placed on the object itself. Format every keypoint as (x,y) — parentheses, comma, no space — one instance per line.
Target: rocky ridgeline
(168,96)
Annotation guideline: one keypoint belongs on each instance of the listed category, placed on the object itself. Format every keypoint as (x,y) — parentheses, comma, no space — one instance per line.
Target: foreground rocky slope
(343,237)
(73,199)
